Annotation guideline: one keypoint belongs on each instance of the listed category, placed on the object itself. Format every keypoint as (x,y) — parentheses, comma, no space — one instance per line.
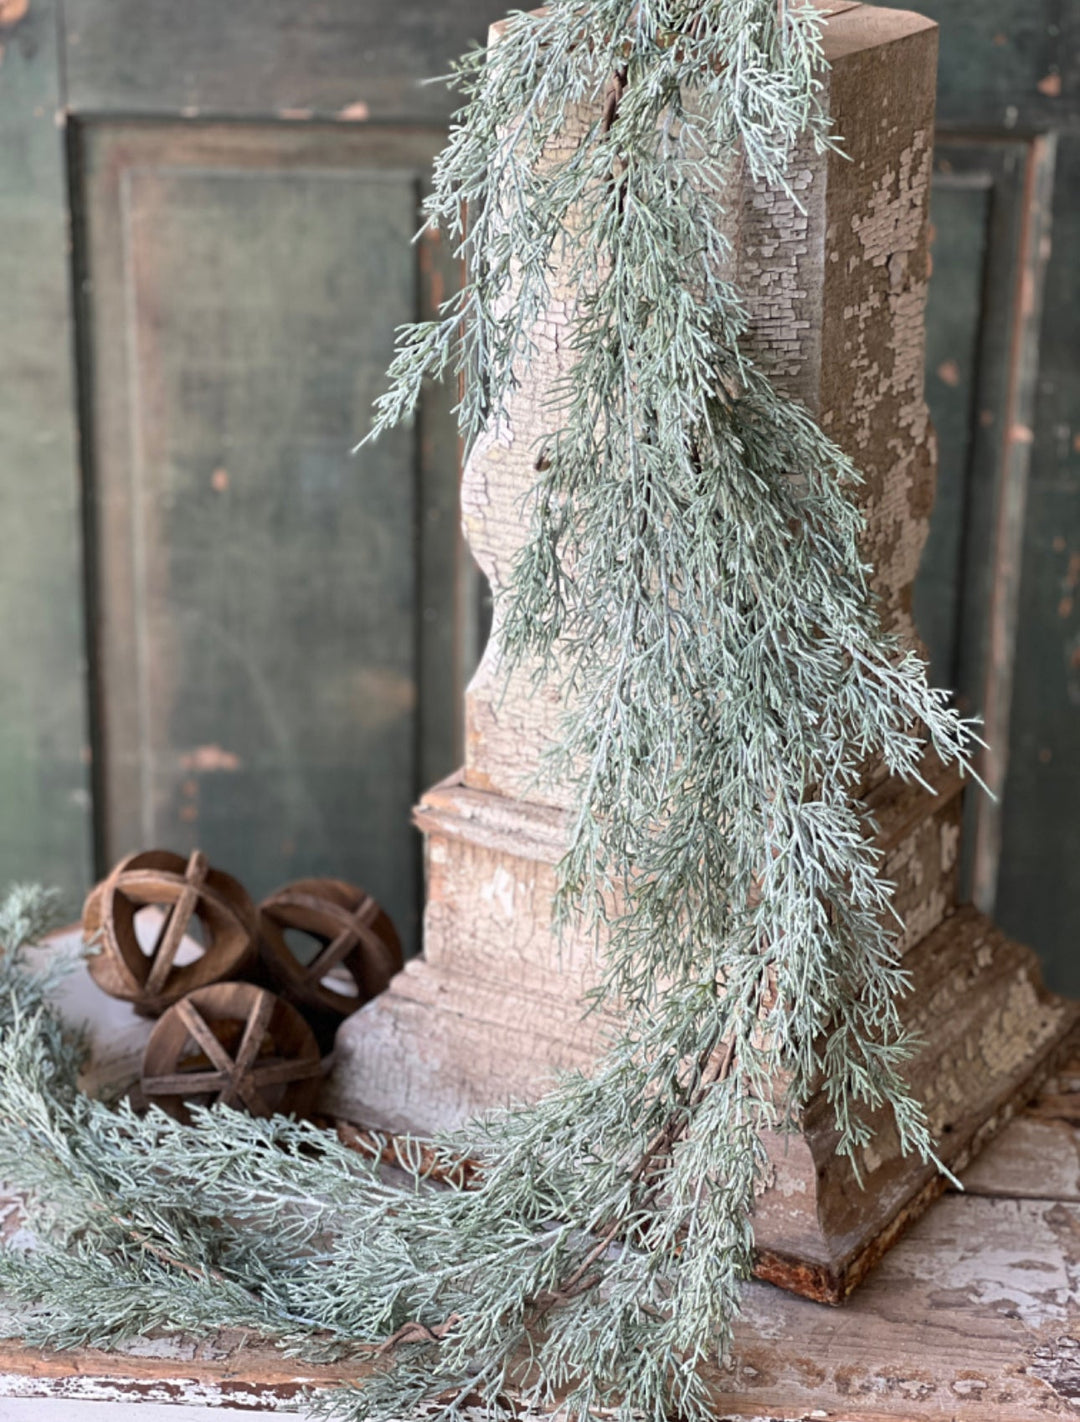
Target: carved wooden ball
(183,890)
(351,932)
(233,1044)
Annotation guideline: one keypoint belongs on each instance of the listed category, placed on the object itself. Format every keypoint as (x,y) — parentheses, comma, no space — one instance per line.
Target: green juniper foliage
(694,577)
(27,913)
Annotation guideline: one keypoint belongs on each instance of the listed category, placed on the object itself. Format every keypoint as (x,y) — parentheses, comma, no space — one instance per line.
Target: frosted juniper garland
(694,575)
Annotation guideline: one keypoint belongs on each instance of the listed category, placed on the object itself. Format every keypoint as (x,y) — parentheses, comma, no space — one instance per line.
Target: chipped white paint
(891,233)
(499,891)
(96,1400)
(1017,1264)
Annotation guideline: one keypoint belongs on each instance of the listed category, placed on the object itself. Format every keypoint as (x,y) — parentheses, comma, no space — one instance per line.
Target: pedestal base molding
(493,1012)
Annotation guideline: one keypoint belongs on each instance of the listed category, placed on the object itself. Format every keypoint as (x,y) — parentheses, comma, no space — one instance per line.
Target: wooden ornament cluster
(250,1044)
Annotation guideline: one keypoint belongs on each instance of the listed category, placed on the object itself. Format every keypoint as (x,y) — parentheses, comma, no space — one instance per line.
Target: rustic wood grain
(1037,1157)
(494,1011)
(835,295)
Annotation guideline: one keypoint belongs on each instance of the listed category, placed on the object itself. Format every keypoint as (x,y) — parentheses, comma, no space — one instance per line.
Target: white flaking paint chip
(499,890)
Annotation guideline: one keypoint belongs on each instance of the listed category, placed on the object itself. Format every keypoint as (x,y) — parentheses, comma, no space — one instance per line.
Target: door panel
(257,622)
(1009,107)
(982,349)
(1039,885)
(1007,64)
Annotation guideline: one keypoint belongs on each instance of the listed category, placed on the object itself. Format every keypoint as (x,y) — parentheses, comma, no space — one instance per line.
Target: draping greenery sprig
(693,575)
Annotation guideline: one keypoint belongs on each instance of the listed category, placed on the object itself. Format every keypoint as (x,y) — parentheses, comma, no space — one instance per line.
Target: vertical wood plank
(44,806)
(983,338)
(1018,420)
(1039,884)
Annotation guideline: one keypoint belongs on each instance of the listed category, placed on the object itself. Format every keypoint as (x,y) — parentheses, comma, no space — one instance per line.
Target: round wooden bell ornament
(183,890)
(356,950)
(233,1044)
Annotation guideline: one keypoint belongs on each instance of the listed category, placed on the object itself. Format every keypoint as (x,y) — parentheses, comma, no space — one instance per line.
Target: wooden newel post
(837,294)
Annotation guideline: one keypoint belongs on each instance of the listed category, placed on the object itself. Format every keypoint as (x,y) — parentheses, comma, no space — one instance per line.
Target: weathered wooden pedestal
(837,293)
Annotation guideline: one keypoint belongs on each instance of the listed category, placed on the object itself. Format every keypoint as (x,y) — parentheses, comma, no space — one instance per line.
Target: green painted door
(997,599)
(218,626)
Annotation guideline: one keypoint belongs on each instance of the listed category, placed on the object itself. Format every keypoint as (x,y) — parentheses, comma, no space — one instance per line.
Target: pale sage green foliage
(693,575)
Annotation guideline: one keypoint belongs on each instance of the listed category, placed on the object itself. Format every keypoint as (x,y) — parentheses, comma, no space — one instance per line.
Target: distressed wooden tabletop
(973,1317)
